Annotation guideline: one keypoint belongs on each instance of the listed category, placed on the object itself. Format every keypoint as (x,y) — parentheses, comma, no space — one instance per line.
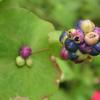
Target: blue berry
(63,37)
(67,41)
(77,25)
(97,47)
(94,52)
(70,45)
(72,56)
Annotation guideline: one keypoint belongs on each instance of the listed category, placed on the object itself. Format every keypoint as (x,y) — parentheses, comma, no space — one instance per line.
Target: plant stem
(40,50)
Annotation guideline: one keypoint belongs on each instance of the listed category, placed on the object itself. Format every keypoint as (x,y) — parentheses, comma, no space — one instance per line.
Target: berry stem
(40,50)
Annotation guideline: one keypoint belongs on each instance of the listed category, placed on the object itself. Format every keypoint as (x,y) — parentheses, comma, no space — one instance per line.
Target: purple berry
(84,48)
(25,52)
(97,47)
(64,54)
(97,30)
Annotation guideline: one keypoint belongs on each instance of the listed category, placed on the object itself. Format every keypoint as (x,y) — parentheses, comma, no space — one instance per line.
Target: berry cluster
(81,43)
(24,57)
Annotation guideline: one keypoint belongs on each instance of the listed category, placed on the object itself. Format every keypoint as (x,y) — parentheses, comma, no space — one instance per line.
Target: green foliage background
(79,80)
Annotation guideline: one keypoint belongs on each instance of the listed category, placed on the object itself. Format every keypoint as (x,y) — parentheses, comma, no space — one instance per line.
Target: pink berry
(91,38)
(96,95)
(25,52)
(78,37)
(64,54)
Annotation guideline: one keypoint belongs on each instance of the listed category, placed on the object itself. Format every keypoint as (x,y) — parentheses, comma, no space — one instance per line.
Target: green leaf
(54,44)
(96,61)
(66,69)
(60,95)
(87,76)
(21,27)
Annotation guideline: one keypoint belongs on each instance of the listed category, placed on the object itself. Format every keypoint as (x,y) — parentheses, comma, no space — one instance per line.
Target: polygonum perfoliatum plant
(31,67)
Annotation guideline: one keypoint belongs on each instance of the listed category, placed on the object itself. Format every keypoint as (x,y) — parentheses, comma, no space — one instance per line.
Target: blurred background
(64,13)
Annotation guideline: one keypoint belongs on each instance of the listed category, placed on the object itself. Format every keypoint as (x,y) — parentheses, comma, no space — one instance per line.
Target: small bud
(29,62)
(20,61)
(25,52)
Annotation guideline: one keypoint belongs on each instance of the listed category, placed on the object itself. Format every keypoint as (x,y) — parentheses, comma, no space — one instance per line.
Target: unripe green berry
(20,61)
(29,62)
(87,26)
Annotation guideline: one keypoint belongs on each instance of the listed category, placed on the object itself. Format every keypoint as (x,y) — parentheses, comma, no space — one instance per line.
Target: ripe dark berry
(25,52)
(72,56)
(77,25)
(70,45)
(63,37)
(97,47)
(94,52)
